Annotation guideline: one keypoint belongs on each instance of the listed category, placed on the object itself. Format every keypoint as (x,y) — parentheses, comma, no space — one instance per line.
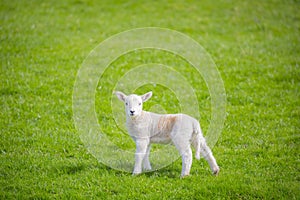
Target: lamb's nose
(132,111)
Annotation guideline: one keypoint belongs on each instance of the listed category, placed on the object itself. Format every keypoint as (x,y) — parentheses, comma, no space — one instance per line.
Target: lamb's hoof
(216,171)
(136,173)
(148,169)
(184,176)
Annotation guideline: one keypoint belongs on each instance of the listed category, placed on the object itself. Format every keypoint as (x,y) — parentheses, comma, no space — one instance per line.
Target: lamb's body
(180,129)
(158,128)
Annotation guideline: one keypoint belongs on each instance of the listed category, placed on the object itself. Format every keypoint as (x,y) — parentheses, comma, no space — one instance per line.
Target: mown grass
(255,45)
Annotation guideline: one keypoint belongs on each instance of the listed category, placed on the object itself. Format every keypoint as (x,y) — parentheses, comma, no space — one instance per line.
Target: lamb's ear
(120,95)
(146,96)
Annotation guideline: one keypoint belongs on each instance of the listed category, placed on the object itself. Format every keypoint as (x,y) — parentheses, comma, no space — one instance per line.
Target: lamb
(180,129)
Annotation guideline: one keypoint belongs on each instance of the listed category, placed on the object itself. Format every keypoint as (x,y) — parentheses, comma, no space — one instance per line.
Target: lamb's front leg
(141,150)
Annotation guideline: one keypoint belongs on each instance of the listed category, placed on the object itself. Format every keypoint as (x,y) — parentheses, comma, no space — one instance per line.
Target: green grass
(255,45)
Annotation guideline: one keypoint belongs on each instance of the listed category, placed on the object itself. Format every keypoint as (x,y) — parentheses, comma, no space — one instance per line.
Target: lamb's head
(133,103)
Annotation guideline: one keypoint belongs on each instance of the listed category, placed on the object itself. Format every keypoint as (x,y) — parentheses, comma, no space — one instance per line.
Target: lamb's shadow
(165,173)
(74,168)
(170,172)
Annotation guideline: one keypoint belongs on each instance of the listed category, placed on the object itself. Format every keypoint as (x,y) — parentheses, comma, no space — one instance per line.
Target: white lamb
(180,129)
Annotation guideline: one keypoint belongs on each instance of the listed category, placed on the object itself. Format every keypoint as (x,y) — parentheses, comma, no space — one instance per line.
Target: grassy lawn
(255,45)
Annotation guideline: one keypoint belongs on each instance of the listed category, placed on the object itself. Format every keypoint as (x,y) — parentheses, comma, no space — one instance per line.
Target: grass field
(255,45)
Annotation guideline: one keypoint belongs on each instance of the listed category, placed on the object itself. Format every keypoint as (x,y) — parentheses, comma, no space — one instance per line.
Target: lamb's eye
(126,104)
(140,104)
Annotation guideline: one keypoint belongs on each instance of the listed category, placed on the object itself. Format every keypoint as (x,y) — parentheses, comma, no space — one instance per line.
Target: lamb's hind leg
(207,154)
(186,161)
(186,154)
